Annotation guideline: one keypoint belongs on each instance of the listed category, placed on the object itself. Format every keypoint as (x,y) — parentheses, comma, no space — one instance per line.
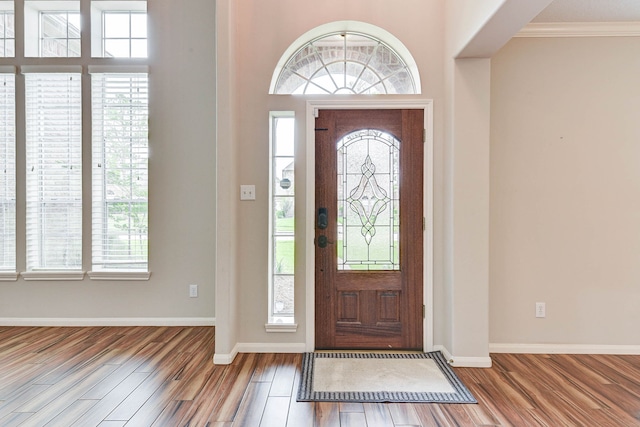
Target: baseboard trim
(271,347)
(565,349)
(226,359)
(464,362)
(108,321)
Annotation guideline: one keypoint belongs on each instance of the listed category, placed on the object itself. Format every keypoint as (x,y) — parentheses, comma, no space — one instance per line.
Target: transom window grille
(368,201)
(120,171)
(282,215)
(124,34)
(54,171)
(7,31)
(345,63)
(60,34)
(7,173)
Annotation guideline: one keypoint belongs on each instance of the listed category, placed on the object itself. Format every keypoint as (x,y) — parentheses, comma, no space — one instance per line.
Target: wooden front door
(369,229)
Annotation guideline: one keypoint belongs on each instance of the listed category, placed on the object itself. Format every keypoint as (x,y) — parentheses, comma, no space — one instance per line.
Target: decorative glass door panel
(368,176)
(368,231)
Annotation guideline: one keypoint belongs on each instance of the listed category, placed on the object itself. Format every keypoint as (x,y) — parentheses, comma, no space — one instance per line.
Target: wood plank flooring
(164,376)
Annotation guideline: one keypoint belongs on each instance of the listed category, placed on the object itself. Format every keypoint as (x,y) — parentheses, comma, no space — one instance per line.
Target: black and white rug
(380,377)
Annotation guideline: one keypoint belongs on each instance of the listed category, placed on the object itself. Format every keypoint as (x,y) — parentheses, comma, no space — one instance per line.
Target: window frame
(7,10)
(356,27)
(33,29)
(8,159)
(34,155)
(43,14)
(279,323)
(99,269)
(27,35)
(98,9)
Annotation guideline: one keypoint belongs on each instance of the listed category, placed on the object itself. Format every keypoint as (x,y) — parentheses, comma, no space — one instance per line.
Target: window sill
(119,275)
(8,276)
(52,275)
(281,327)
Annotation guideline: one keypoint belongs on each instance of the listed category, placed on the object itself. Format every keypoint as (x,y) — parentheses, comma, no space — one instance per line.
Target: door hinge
(424,311)
(424,223)
(424,135)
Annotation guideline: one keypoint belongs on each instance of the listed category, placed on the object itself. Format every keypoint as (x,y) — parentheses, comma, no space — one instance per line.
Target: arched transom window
(346,62)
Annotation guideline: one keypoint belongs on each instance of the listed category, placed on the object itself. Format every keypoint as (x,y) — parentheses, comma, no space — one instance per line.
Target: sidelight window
(282,219)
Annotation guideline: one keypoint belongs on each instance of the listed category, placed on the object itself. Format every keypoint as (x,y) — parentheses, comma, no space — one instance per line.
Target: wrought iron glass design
(368,201)
(345,63)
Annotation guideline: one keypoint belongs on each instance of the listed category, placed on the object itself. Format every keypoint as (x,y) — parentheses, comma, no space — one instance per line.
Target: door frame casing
(312,107)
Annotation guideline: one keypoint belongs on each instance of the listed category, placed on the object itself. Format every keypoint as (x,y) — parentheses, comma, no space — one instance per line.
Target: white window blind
(54,171)
(7,173)
(120,173)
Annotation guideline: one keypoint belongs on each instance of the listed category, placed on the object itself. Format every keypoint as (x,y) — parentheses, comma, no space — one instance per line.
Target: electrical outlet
(541,309)
(193,291)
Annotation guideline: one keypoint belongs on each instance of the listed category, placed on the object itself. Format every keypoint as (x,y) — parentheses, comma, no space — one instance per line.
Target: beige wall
(565,191)
(284,21)
(181,196)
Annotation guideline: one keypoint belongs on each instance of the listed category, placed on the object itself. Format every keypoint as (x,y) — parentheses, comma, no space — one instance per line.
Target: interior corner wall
(465,18)
(469,210)
(225,259)
(565,192)
(465,329)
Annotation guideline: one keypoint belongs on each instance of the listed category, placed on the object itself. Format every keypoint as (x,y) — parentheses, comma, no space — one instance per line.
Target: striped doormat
(380,377)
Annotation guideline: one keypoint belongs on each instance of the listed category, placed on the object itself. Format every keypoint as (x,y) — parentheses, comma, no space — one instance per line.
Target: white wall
(565,192)
(181,188)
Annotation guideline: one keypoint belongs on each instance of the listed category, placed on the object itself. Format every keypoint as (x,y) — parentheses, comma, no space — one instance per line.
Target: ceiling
(590,11)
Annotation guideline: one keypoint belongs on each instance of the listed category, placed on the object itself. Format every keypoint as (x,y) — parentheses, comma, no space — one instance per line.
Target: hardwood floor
(164,376)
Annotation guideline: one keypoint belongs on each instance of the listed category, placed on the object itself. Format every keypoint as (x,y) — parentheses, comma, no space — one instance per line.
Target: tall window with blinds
(120,173)
(7,173)
(54,171)
(73,146)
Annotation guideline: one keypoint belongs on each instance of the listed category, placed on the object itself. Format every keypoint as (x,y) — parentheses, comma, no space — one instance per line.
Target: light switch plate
(247,192)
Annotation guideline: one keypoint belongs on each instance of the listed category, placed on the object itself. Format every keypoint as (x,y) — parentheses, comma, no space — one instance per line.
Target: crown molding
(581,29)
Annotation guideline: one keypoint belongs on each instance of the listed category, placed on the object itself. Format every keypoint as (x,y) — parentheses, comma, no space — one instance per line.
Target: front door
(369,229)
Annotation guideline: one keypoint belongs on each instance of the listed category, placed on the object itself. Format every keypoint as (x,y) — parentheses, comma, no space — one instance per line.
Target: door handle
(323,220)
(323,241)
